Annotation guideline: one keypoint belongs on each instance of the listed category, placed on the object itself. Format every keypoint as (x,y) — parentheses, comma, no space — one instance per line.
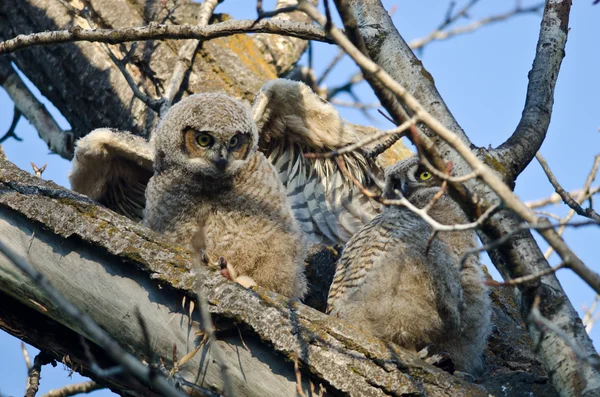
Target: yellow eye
(425,176)
(233,142)
(204,140)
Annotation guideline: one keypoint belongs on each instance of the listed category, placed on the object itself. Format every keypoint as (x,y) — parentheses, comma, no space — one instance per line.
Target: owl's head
(413,180)
(210,135)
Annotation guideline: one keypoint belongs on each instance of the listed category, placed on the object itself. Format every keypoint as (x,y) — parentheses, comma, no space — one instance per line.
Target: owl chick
(209,178)
(388,284)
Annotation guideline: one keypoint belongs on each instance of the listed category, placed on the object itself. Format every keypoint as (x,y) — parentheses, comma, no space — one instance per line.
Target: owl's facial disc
(216,154)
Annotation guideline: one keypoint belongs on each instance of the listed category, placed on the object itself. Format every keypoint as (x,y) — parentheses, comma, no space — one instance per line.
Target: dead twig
(566,197)
(525,279)
(77,388)
(33,375)
(13,125)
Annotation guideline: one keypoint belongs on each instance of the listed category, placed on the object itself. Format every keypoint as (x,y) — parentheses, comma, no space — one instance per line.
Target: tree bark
(521,255)
(88,89)
(110,267)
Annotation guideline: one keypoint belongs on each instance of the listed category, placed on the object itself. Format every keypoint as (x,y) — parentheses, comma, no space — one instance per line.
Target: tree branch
(520,256)
(157,32)
(58,141)
(566,197)
(72,390)
(518,151)
(101,260)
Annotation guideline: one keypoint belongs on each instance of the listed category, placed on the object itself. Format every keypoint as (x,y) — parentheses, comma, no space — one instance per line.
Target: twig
(580,198)
(187,51)
(58,141)
(525,279)
(330,67)
(440,34)
(85,21)
(268,14)
(403,202)
(77,388)
(11,130)
(555,198)
(589,319)
(110,347)
(208,328)
(26,356)
(566,197)
(299,389)
(543,324)
(375,137)
(33,375)
(158,31)
(154,104)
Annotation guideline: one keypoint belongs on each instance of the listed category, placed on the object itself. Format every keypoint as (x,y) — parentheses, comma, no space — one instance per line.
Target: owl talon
(440,359)
(229,273)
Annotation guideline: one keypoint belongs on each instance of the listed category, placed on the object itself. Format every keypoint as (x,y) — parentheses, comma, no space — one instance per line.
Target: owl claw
(440,359)
(229,273)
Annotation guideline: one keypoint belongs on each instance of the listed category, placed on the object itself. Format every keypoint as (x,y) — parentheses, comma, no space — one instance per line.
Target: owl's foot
(440,359)
(229,273)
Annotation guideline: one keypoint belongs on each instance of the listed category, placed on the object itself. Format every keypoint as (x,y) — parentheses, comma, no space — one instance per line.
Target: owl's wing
(293,120)
(113,168)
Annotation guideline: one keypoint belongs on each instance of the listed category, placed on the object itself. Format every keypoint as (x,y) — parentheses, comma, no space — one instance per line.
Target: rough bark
(521,255)
(88,89)
(110,267)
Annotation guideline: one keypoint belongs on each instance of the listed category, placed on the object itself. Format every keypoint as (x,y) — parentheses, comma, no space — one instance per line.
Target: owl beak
(220,163)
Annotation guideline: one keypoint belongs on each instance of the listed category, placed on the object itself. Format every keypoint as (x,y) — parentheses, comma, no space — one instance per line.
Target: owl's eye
(204,139)
(234,141)
(425,175)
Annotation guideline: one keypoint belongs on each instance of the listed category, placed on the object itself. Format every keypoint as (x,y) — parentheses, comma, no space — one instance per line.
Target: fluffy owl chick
(209,178)
(388,285)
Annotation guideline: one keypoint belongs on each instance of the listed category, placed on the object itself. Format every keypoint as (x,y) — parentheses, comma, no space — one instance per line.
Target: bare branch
(158,31)
(441,34)
(58,141)
(555,198)
(589,319)
(26,356)
(186,53)
(77,388)
(525,279)
(11,130)
(361,144)
(566,197)
(545,325)
(129,362)
(580,198)
(33,375)
(533,126)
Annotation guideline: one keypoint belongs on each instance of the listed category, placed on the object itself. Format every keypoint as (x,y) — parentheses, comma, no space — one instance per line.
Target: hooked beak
(221,160)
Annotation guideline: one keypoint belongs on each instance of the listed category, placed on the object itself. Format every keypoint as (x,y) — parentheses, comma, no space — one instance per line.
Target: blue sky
(483,78)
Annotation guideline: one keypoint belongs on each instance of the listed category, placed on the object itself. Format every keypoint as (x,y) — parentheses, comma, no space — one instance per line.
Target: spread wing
(113,168)
(293,120)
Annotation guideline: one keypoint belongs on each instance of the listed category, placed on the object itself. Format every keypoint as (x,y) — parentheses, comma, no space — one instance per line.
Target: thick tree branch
(518,151)
(160,32)
(58,141)
(74,241)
